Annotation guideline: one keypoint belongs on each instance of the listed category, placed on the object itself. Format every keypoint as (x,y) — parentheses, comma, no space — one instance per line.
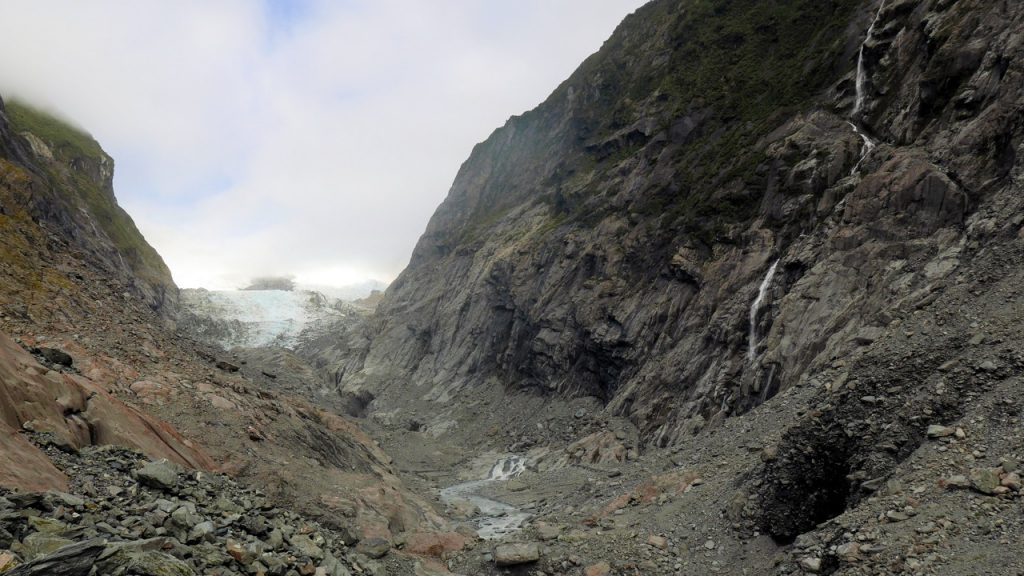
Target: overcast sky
(312,138)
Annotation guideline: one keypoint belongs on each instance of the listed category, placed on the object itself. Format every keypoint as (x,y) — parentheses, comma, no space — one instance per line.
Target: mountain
(57,175)
(797,221)
(116,430)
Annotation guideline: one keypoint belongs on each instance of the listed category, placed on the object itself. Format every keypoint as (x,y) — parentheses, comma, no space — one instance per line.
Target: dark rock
(56,356)
(227,366)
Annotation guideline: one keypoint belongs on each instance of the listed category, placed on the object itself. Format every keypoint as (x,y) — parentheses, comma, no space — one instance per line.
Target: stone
(516,553)
(40,544)
(7,560)
(47,525)
(937,431)
(1008,464)
(56,356)
(957,481)
(659,542)
(227,366)
(202,531)
(985,480)
(72,501)
(811,564)
(895,516)
(186,517)
(332,567)
(599,569)
(709,545)
(159,474)
(153,563)
(244,554)
(306,547)
(374,547)
(546,532)
(1012,481)
(437,544)
(849,551)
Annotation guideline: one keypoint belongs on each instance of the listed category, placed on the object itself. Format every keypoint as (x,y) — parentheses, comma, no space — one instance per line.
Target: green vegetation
(745,65)
(65,140)
(76,181)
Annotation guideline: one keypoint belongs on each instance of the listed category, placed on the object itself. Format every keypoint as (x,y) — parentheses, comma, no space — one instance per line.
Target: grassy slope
(71,146)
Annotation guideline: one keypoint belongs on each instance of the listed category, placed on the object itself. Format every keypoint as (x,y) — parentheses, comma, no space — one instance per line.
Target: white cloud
(316,146)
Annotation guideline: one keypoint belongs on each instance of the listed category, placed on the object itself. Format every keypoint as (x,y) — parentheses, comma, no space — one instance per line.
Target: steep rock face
(77,278)
(611,242)
(55,175)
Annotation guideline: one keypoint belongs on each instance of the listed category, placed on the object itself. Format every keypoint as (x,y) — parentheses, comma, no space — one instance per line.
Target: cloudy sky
(304,137)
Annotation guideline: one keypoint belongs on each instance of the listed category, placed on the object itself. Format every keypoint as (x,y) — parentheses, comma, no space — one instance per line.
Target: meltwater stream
(496,519)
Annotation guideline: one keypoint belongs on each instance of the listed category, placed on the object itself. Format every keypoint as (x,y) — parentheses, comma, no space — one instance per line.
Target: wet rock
(516,553)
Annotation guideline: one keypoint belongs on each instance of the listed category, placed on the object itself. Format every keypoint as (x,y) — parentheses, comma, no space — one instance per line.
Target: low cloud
(309,138)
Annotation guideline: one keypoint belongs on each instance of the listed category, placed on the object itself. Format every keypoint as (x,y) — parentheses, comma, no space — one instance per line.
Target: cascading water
(861,96)
(869,145)
(861,82)
(496,519)
(756,307)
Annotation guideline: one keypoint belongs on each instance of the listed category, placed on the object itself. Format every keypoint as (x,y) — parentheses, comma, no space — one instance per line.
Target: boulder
(159,474)
(516,553)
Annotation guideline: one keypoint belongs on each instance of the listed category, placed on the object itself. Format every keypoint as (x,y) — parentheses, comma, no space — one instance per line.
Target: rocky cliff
(56,175)
(611,242)
(90,359)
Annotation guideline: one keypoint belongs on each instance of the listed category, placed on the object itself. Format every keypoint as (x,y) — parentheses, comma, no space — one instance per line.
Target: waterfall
(861,82)
(756,307)
(869,145)
(768,383)
(861,85)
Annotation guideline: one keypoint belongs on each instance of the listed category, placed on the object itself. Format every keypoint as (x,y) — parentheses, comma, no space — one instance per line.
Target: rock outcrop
(610,242)
(56,175)
(94,358)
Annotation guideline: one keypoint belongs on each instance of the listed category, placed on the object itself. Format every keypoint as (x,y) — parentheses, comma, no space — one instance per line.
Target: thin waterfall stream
(762,291)
(861,96)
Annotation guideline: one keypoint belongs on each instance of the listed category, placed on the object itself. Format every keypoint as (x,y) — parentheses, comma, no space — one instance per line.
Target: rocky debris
(165,523)
(516,553)
(74,559)
(160,474)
